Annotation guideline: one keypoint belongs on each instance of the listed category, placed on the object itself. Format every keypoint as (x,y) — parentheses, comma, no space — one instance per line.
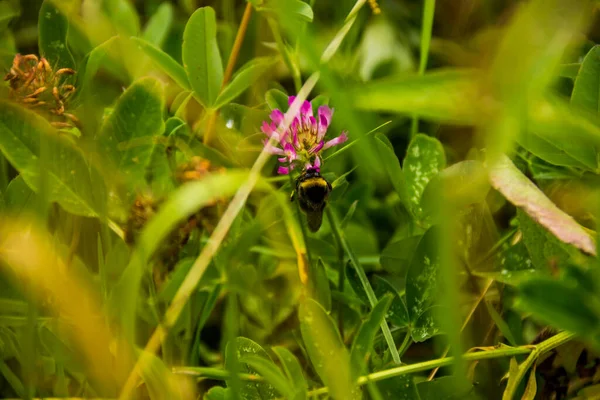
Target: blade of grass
(426,28)
(364,280)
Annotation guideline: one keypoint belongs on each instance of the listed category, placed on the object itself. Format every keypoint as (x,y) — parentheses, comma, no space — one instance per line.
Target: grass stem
(365,282)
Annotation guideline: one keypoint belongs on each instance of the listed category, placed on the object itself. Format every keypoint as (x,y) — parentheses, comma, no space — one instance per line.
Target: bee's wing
(314,218)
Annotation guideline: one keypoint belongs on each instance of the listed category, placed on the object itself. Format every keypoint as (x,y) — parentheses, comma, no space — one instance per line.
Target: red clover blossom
(302,143)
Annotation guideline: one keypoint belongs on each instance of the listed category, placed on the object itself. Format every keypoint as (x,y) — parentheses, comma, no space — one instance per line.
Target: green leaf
(293,371)
(268,370)
(531,388)
(514,185)
(165,62)
(326,351)
(549,119)
(397,254)
(218,393)
(201,57)
(53,27)
(422,281)
(320,284)
(103,56)
(561,305)
(439,96)
(72,181)
(123,16)
(424,159)
(391,163)
(18,197)
(399,388)
(426,326)
(294,10)
(548,150)
(159,25)
(243,79)
(137,114)
(363,341)
(543,247)
(397,313)
(276,99)
(252,390)
(585,91)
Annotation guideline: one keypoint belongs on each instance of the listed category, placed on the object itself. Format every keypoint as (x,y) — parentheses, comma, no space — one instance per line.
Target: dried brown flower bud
(35,84)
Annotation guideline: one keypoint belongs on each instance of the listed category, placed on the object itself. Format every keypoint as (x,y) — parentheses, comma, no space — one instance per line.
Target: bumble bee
(313,191)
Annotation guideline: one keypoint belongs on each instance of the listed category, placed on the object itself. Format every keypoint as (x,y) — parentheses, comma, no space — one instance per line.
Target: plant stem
(214,373)
(235,51)
(365,282)
(342,268)
(405,343)
(538,350)
(541,348)
(535,351)
(426,28)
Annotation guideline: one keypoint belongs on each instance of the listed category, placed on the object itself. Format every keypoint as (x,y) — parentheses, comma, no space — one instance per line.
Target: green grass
(149,249)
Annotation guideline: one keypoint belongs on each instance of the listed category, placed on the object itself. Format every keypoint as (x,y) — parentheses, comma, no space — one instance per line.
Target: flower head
(35,84)
(302,143)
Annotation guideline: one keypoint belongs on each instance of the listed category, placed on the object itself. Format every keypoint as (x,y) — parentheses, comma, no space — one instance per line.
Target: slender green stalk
(365,282)
(405,343)
(342,270)
(427,25)
(214,373)
(538,350)
(533,351)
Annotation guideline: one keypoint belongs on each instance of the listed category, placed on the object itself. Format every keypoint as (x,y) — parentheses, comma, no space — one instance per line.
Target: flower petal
(335,141)
(272,149)
(291,100)
(290,151)
(276,116)
(306,108)
(283,170)
(317,163)
(267,128)
(325,113)
(318,147)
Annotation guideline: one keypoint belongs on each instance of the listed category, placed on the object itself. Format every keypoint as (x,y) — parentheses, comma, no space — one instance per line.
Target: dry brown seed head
(37,92)
(65,71)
